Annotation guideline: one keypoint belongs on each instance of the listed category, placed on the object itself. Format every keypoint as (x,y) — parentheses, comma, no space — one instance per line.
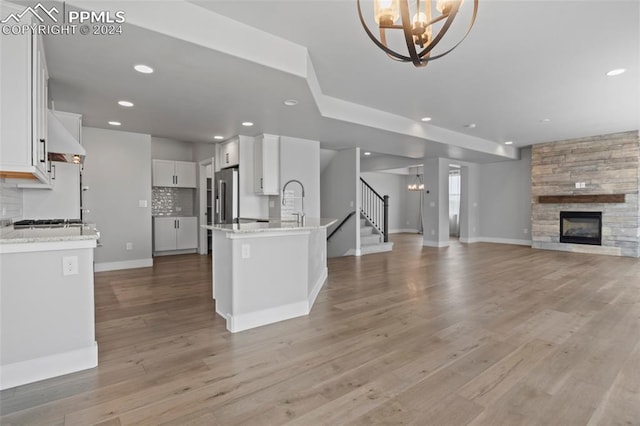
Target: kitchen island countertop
(273,225)
(39,239)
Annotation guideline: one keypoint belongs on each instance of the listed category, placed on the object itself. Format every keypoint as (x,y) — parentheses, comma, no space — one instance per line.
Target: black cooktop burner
(45,223)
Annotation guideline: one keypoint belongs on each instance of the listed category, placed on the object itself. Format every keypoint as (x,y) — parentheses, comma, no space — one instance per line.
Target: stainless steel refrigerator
(226,192)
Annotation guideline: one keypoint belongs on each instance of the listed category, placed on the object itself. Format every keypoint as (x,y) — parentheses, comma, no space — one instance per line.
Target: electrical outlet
(246,251)
(129,246)
(272,204)
(70,265)
(178,208)
(351,203)
(432,203)
(526,231)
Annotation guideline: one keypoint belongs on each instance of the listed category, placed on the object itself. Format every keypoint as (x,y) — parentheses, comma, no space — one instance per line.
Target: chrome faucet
(300,215)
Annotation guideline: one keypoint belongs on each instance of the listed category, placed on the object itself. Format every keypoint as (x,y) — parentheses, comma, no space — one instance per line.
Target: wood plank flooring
(480,334)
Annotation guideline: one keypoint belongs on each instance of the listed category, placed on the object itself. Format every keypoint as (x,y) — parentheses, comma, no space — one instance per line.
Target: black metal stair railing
(375,208)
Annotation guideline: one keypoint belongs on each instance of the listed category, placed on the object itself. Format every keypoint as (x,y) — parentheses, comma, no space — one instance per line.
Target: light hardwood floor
(480,334)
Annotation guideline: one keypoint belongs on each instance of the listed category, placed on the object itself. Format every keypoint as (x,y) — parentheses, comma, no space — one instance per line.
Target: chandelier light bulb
(386,12)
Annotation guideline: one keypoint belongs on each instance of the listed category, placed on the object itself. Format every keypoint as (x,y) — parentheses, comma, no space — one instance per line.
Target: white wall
(404,209)
(117,170)
(339,195)
(505,200)
(171,149)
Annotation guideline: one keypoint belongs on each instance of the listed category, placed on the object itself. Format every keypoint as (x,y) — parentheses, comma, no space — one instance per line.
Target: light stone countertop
(273,225)
(8,235)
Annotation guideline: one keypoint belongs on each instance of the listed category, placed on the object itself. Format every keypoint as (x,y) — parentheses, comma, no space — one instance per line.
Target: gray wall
(10,201)
(300,159)
(339,195)
(203,151)
(117,170)
(505,200)
(171,149)
(404,208)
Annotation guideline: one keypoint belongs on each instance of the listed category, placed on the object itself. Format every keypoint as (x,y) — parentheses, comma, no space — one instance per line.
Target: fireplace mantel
(582,198)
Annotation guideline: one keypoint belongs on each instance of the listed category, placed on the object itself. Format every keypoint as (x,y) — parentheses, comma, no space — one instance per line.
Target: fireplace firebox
(581,228)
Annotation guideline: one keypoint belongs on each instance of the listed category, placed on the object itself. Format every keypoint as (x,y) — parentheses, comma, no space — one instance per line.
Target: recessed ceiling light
(470,125)
(144,69)
(367,153)
(617,71)
(508,143)
(425,119)
(247,124)
(218,137)
(125,104)
(291,102)
(545,120)
(115,123)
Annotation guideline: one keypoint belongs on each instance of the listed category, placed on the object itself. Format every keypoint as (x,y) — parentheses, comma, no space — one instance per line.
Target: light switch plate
(142,203)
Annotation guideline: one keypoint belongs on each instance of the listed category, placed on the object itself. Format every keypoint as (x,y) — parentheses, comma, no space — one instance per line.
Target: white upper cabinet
(23,121)
(266,165)
(178,174)
(228,154)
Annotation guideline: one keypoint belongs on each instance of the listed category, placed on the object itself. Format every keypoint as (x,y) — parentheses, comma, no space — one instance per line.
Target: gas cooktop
(46,223)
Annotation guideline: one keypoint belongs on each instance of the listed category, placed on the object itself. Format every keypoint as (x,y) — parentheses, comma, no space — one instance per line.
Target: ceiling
(524,61)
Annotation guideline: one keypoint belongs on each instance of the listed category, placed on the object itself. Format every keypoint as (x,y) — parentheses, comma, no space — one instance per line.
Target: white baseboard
(33,370)
(127,264)
(353,252)
(435,243)
(470,240)
(403,231)
(317,287)
(236,323)
(504,241)
(174,252)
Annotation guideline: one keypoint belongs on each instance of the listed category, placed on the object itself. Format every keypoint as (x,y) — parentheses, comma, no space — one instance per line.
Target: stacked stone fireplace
(609,169)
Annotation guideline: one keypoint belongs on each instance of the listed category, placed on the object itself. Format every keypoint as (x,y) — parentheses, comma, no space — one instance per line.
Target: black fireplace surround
(581,228)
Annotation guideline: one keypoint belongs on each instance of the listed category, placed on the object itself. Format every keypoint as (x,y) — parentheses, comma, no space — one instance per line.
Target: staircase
(371,240)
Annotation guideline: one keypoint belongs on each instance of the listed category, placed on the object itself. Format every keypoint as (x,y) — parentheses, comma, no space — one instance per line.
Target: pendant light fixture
(417,184)
(430,21)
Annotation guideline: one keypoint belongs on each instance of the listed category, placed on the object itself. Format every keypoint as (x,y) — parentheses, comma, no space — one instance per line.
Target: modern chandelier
(417,184)
(422,32)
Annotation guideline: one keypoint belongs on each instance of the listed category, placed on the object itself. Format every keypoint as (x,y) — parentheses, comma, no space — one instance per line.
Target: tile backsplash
(10,202)
(171,201)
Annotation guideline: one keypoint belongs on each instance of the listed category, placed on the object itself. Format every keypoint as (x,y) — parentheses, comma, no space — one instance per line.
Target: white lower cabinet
(175,233)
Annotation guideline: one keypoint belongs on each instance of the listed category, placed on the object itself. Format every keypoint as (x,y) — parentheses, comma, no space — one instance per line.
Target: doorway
(454,201)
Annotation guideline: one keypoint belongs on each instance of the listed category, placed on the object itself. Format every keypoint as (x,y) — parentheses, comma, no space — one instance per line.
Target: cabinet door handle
(226,156)
(53,171)
(178,222)
(44,154)
(176,179)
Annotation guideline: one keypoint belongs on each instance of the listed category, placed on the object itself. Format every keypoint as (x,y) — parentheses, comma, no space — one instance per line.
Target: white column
(469,201)
(435,212)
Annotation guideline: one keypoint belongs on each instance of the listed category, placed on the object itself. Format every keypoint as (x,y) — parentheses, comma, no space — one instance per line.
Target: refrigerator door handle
(223,197)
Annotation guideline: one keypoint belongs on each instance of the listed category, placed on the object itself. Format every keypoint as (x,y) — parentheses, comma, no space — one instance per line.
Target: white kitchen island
(265,272)
(47,324)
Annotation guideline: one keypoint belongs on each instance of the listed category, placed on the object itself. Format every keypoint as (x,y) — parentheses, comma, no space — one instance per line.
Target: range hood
(62,145)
